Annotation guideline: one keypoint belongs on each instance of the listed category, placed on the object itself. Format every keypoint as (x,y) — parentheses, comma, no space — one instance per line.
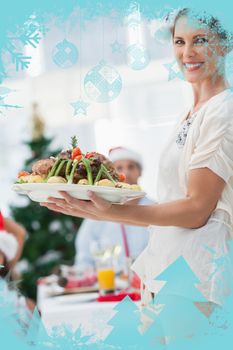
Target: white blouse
(205,140)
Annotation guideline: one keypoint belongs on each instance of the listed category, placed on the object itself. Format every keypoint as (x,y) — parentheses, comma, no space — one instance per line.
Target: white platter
(39,192)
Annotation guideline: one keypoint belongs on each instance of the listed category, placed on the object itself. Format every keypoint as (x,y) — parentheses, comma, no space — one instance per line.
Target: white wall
(140,118)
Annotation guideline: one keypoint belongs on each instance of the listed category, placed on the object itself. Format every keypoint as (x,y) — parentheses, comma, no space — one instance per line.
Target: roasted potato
(34,179)
(56,180)
(83,182)
(105,182)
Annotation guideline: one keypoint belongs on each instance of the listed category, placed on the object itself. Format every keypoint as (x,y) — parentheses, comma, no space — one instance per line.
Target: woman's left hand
(96,208)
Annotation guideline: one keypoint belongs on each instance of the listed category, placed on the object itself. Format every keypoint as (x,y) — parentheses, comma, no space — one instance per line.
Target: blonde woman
(194,216)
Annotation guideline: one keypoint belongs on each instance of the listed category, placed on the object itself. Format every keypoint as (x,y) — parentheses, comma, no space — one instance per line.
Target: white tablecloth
(76,310)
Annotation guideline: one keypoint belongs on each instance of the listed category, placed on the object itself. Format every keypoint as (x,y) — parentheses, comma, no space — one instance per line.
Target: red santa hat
(1,222)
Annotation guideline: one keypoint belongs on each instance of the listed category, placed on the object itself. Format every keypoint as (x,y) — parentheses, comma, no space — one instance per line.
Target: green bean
(98,176)
(68,168)
(52,171)
(57,172)
(105,171)
(74,166)
(87,165)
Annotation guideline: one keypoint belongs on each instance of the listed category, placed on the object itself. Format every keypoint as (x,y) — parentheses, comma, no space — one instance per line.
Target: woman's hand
(2,260)
(96,208)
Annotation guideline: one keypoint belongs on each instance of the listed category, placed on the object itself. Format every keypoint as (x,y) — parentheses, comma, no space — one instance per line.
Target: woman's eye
(179,42)
(201,41)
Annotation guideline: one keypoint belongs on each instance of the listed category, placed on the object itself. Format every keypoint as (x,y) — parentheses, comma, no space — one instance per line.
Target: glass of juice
(105,276)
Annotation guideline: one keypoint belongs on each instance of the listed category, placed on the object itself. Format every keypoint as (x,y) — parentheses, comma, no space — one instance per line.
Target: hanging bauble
(137,57)
(133,16)
(103,83)
(65,54)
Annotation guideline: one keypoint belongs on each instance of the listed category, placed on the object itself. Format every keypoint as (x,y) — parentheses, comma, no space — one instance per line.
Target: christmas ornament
(137,57)
(116,47)
(80,107)
(102,83)
(65,54)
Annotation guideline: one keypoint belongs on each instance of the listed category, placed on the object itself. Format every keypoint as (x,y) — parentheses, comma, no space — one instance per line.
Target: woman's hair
(208,21)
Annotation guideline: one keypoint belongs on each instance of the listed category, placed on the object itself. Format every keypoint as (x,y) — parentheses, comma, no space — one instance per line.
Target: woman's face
(198,51)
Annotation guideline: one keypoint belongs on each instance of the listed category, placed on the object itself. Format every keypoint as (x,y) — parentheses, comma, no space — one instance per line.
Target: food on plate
(105,182)
(72,166)
(43,166)
(83,182)
(23,176)
(56,180)
(123,185)
(35,179)
(135,187)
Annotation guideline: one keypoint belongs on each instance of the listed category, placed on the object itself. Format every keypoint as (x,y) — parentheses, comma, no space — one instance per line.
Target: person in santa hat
(12,236)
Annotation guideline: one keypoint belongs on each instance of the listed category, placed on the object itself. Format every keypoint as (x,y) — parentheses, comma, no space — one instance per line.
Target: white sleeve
(8,245)
(214,147)
(86,234)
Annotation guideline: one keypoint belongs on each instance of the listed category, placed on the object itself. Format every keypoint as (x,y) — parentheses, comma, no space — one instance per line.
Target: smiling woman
(200,46)
(194,215)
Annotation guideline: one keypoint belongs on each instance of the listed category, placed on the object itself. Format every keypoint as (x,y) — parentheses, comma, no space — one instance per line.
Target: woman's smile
(193,66)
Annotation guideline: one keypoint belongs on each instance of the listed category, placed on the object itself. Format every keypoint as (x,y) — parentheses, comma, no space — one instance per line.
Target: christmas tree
(179,319)
(125,334)
(51,235)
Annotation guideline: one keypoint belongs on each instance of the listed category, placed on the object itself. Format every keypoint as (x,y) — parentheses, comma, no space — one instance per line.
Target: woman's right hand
(96,208)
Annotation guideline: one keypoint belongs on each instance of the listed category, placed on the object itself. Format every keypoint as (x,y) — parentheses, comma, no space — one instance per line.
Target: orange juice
(106,277)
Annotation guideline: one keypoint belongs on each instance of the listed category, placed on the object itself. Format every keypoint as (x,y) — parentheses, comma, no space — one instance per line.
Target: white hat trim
(125,154)
(8,245)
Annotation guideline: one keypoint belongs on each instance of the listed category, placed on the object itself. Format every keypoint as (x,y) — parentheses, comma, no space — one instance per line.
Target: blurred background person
(12,236)
(96,236)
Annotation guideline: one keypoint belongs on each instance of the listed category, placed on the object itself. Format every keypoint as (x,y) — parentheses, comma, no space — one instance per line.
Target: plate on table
(74,299)
(39,192)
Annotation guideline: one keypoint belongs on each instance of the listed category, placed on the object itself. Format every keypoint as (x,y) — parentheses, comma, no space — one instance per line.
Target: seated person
(12,237)
(96,235)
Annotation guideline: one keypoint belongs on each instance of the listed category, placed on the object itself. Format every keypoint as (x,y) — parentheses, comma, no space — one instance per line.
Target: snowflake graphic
(4,92)
(29,34)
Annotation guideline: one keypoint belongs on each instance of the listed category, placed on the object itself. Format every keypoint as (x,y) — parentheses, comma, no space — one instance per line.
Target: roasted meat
(42,167)
(66,154)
